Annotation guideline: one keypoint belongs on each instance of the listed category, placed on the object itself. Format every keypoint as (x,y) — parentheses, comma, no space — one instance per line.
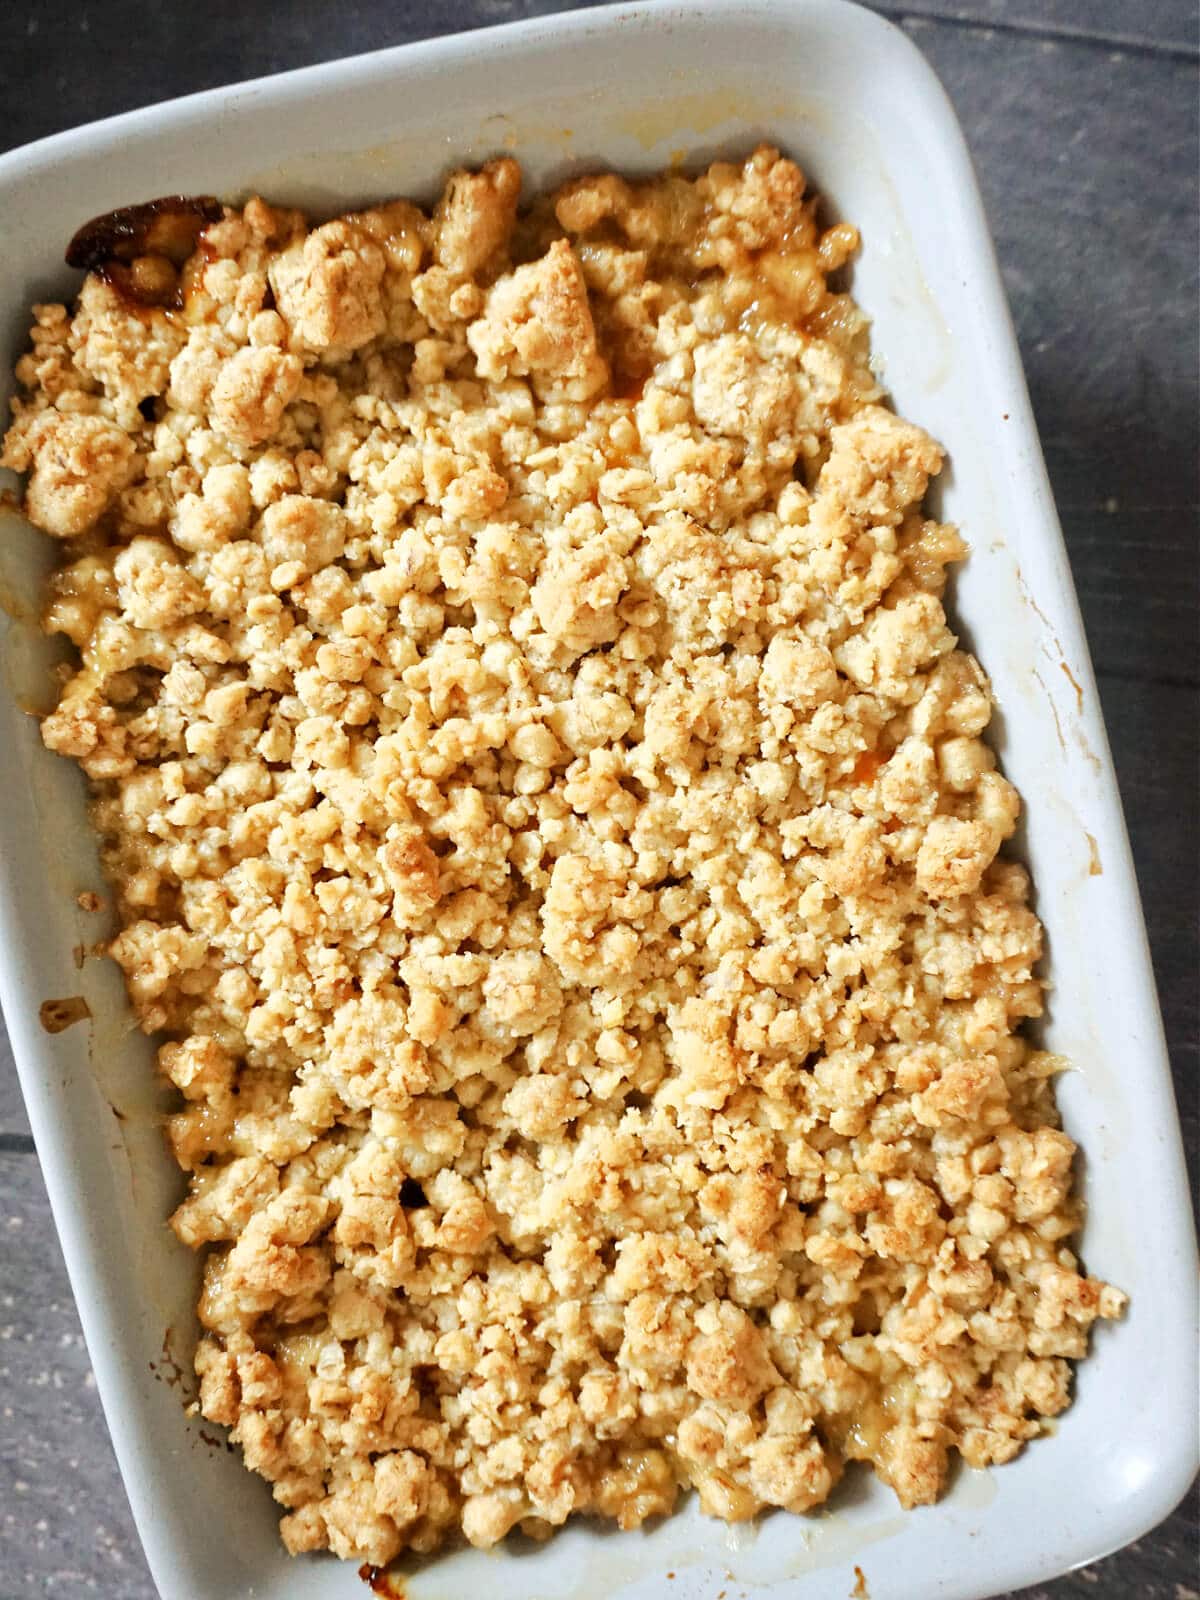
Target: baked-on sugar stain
(1074,682)
(165,227)
(140,249)
(169,1370)
(55,1015)
(1095,868)
(214,1443)
(860,1590)
(378,1581)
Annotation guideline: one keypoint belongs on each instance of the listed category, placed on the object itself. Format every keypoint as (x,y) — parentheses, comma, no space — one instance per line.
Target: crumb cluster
(551,825)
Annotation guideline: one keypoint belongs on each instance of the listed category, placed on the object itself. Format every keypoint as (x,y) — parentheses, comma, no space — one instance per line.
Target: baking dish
(634,89)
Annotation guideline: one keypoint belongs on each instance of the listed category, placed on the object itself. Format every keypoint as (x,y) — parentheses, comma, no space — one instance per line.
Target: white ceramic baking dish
(635,88)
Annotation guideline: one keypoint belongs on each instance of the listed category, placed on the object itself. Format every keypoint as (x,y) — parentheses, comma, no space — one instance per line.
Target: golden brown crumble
(549,820)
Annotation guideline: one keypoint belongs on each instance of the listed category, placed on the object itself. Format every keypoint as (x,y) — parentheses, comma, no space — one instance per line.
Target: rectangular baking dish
(634,88)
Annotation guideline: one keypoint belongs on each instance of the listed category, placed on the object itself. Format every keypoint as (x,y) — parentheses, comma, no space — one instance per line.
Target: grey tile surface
(1082,115)
(1160,27)
(14,1124)
(65,1528)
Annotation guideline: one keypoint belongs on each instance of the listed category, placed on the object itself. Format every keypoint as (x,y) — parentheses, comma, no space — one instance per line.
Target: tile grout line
(16,1144)
(1058,33)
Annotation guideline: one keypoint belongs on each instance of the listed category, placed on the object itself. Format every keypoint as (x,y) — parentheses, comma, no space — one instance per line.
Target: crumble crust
(550,821)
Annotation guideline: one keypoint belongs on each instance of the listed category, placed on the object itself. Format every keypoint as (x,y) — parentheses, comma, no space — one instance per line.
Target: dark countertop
(1082,116)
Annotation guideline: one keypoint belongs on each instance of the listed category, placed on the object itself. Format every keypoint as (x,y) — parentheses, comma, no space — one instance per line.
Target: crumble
(550,822)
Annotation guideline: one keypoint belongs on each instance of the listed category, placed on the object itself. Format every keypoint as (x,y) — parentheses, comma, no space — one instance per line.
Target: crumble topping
(549,820)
